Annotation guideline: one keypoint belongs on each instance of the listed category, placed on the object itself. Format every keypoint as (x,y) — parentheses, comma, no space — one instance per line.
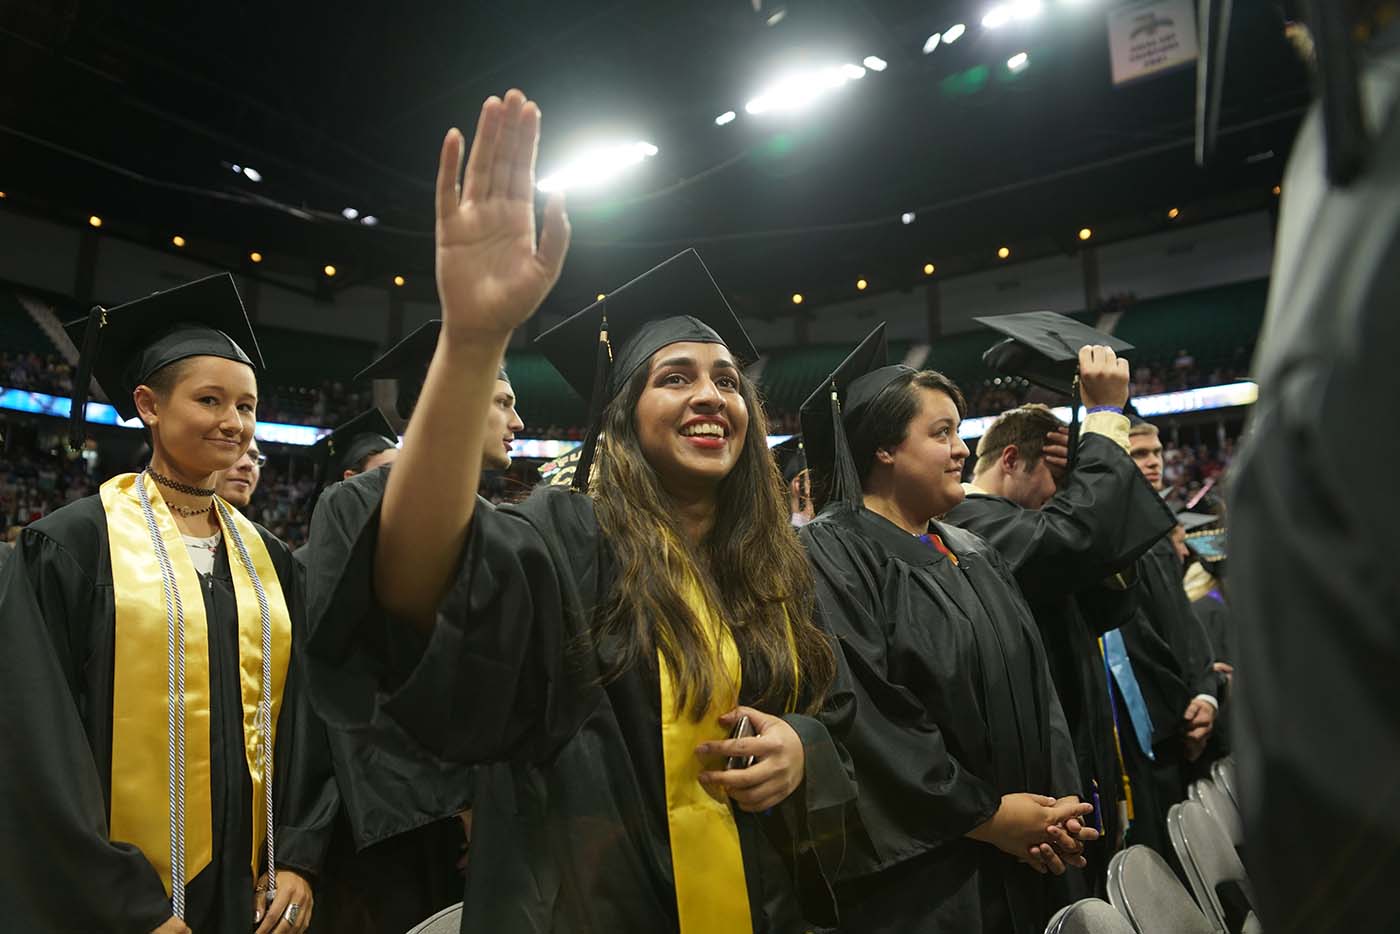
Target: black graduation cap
(349,444)
(121,347)
(791,457)
(676,301)
(844,398)
(1192,521)
(407,362)
(1043,347)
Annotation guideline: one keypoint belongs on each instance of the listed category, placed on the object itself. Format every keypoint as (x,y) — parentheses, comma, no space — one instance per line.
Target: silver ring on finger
(290,915)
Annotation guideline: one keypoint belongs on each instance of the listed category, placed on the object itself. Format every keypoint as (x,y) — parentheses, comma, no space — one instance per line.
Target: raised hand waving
(491,273)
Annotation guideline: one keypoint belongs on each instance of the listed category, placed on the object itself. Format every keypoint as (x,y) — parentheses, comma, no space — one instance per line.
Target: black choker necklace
(177,486)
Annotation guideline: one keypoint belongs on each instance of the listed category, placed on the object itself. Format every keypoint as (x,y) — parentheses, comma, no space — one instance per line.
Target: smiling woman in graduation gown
(87,804)
(589,813)
(954,704)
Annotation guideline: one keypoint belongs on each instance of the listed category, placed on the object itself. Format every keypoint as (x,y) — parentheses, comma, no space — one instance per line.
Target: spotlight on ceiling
(349,213)
(329,270)
(399,280)
(255,256)
(1018,62)
(369,220)
(94,220)
(797,298)
(1004,253)
(932,42)
(906,218)
(875,63)
(1085,233)
(953,33)
(725,118)
(178,240)
(929,269)
(800,90)
(252,174)
(595,167)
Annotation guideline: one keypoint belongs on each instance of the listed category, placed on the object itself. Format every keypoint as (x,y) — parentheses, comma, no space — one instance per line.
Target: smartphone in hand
(741,729)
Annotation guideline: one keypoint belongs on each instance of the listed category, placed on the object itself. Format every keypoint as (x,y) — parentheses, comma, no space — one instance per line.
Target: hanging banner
(1151,37)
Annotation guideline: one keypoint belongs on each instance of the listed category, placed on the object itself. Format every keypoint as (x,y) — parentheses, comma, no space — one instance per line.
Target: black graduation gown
(58,871)
(1169,611)
(954,708)
(1313,584)
(569,823)
(1214,614)
(393,856)
(1103,520)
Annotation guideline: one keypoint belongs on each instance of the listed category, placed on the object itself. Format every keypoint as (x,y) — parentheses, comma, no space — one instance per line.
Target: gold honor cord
(712,896)
(144,774)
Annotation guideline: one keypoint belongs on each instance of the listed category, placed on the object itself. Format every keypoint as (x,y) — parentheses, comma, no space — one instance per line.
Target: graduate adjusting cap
(791,457)
(407,361)
(842,401)
(1043,347)
(122,347)
(676,301)
(349,444)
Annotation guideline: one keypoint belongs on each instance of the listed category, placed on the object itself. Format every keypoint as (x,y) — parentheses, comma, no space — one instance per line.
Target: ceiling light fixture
(800,90)
(595,167)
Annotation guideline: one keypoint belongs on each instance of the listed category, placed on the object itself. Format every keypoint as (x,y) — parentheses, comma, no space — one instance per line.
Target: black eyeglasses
(258,458)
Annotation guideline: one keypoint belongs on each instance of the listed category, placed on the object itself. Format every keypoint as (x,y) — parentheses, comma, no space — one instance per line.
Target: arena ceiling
(138,111)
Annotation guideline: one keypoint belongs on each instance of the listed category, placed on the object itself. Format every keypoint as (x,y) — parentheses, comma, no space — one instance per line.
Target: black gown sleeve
(504,673)
(1103,520)
(307,797)
(914,794)
(58,870)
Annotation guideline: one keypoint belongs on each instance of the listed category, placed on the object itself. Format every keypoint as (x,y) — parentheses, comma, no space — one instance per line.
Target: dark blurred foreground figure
(1315,588)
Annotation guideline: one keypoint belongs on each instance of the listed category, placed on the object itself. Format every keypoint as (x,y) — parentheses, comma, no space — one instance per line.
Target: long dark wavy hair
(751,567)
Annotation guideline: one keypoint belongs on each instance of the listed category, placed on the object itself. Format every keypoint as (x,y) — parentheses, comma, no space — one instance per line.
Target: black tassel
(842,485)
(598,401)
(1074,422)
(77,416)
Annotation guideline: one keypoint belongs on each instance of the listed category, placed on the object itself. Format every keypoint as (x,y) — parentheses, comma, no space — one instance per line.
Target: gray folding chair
(1213,867)
(1223,773)
(1089,916)
(1145,890)
(1220,806)
(447,921)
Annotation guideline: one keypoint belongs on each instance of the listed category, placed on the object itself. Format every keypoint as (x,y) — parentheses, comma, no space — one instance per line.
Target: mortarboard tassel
(602,373)
(77,416)
(842,482)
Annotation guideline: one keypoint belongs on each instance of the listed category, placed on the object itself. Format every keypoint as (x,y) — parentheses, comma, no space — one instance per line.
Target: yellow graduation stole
(141,715)
(712,896)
